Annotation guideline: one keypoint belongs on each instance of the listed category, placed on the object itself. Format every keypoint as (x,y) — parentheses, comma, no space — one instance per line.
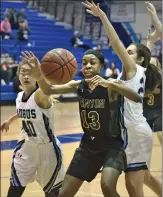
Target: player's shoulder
(140,68)
(20,94)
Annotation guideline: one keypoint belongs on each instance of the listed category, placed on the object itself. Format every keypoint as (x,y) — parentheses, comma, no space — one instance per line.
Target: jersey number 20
(92,117)
(29,128)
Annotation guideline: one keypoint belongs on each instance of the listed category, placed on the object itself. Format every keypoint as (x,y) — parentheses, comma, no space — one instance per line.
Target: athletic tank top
(37,123)
(154,100)
(98,116)
(133,112)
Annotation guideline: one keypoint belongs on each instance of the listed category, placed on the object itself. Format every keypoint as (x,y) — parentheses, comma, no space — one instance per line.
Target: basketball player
(101,144)
(37,155)
(152,106)
(140,76)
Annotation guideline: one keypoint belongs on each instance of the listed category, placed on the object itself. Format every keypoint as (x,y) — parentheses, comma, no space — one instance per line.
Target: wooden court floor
(66,122)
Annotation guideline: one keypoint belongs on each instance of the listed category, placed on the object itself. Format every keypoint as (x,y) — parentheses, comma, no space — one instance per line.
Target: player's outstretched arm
(125,91)
(155,20)
(151,38)
(45,87)
(115,85)
(117,45)
(5,125)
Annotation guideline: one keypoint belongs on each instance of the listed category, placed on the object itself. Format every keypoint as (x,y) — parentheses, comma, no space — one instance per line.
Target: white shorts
(139,147)
(40,162)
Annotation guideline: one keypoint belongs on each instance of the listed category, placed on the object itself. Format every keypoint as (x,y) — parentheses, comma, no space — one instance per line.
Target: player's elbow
(138,99)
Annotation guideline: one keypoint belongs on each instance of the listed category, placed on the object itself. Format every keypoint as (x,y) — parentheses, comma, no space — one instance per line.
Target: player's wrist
(9,121)
(107,83)
(102,16)
(39,77)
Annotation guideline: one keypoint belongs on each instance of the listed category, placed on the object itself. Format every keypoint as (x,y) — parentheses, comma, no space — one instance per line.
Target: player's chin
(25,84)
(88,75)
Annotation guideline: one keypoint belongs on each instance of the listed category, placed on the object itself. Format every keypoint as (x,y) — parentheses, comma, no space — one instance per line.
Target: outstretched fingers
(89,11)
(25,55)
(31,53)
(86,5)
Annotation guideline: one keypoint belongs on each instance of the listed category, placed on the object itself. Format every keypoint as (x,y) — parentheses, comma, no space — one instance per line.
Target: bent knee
(108,188)
(62,193)
(134,188)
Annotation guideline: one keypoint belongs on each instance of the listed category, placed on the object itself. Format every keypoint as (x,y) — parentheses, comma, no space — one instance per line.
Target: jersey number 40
(29,128)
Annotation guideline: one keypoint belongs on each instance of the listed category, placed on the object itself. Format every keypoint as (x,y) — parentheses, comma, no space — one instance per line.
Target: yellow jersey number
(151,99)
(93,118)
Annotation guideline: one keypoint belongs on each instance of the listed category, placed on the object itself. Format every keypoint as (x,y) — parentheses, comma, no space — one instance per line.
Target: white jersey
(37,123)
(133,112)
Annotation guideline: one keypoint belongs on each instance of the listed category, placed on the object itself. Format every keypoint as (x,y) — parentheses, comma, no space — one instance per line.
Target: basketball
(59,66)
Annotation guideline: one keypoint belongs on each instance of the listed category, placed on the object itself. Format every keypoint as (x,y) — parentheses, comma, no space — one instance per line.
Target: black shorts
(154,118)
(86,164)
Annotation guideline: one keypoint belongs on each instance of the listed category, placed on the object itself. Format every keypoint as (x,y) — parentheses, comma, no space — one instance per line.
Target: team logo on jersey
(92,103)
(26,113)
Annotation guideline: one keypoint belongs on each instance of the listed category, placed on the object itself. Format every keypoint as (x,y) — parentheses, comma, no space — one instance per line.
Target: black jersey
(98,116)
(154,101)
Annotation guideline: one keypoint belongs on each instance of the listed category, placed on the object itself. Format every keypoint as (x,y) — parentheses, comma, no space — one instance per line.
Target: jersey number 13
(90,120)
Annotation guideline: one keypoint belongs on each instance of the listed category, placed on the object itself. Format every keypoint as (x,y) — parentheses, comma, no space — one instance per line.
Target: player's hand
(54,100)
(96,81)
(33,62)
(151,9)
(5,126)
(152,37)
(93,9)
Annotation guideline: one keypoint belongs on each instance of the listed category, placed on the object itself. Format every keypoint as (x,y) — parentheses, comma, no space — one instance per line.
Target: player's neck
(28,91)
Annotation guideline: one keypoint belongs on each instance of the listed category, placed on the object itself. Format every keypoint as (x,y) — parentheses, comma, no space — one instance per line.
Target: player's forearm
(109,30)
(49,89)
(125,91)
(117,45)
(149,45)
(45,86)
(13,118)
(158,25)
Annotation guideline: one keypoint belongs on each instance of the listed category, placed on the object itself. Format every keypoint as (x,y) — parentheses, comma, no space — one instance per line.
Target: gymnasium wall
(143,21)
(137,12)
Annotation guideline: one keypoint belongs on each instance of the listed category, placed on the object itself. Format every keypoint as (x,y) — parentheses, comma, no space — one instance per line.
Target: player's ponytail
(153,73)
(153,78)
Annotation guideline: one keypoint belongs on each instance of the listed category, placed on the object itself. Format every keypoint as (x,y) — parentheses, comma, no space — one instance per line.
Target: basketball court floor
(67,126)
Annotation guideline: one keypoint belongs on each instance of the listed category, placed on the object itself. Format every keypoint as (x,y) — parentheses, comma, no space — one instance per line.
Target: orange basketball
(59,66)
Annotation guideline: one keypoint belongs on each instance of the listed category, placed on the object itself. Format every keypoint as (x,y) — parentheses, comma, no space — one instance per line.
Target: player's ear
(102,67)
(140,60)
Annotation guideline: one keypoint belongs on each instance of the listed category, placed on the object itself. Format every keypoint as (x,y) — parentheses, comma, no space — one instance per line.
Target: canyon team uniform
(152,109)
(101,145)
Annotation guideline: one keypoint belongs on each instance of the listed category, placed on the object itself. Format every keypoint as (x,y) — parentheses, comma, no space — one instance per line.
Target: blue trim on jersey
(134,165)
(14,178)
(50,184)
(58,185)
(125,135)
(46,123)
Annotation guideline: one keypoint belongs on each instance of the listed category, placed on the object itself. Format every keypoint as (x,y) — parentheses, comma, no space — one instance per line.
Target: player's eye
(84,63)
(93,62)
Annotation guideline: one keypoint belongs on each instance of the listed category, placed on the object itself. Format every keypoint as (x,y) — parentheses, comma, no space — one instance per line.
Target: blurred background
(42,25)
